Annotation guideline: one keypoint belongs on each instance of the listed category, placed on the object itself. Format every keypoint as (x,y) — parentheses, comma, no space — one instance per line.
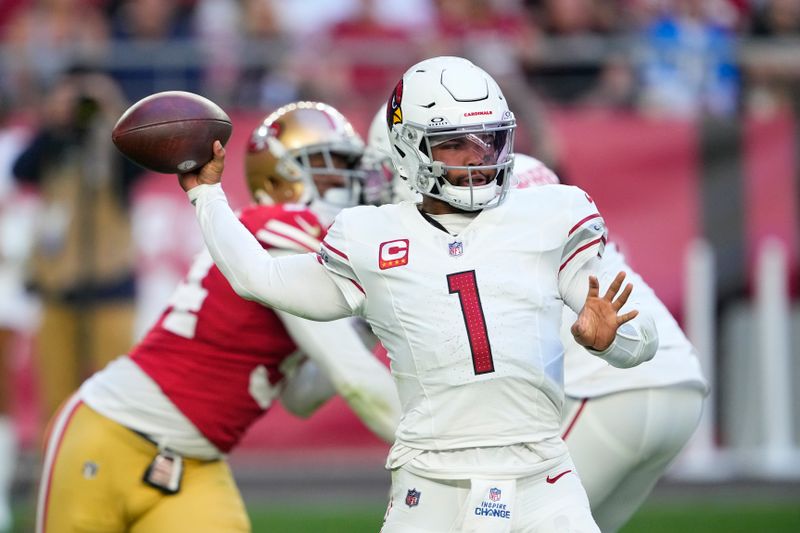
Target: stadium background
(679,117)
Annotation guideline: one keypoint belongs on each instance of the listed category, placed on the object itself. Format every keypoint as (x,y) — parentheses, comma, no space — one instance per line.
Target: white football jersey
(471,322)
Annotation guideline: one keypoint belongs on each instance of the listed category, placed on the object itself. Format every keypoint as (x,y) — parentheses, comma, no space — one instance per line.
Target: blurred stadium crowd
(711,63)
(670,56)
(673,57)
(665,57)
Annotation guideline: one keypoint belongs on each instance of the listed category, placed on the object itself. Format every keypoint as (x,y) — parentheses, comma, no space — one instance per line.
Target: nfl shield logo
(456,248)
(494,494)
(412,497)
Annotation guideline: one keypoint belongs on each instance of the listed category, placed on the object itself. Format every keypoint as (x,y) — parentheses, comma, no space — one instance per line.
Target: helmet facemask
(449,100)
(326,163)
(332,179)
(480,183)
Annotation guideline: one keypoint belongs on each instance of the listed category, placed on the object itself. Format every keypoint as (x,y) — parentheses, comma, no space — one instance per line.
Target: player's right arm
(298,284)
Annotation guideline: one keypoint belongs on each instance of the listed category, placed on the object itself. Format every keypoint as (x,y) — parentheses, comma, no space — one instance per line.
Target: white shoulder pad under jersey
(470,322)
(675,361)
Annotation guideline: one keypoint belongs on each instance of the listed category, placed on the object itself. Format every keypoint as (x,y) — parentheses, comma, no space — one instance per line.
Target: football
(171,132)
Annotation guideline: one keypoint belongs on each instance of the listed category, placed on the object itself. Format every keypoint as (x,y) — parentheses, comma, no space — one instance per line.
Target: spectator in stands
(153,48)
(9,11)
(363,55)
(493,33)
(82,261)
(568,63)
(771,65)
(689,61)
(776,18)
(217,25)
(45,38)
(617,87)
(250,61)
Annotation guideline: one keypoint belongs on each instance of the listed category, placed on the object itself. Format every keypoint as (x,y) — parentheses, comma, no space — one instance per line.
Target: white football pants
(551,502)
(622,443)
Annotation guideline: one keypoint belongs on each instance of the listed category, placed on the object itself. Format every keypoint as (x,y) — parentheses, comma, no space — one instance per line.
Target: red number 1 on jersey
(464,284)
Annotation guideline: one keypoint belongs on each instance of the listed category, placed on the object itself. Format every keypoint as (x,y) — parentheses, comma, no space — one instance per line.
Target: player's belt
(149,438)
(146,437)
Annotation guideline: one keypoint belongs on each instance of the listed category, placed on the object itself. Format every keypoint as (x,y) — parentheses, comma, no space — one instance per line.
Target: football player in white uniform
(465,292)
(141,446)
(622,427)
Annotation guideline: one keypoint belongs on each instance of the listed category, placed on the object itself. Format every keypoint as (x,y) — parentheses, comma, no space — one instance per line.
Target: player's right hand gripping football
(210,173)
(598,321)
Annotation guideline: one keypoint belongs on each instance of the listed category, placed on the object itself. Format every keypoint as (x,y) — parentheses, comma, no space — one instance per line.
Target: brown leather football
(171,132)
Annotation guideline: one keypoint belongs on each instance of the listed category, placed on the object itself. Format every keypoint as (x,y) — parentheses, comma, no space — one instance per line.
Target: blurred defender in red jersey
(141,446)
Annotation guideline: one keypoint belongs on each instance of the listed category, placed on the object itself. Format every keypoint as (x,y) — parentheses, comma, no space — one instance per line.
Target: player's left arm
(357,376)
(605,326)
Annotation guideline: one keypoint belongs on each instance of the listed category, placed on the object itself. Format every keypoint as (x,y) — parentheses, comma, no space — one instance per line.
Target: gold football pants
(92,483)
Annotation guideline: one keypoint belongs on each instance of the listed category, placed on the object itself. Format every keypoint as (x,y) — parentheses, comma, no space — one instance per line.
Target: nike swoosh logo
(555,478)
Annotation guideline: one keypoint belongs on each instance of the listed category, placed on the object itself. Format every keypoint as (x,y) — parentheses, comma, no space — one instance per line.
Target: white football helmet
(447,99)
(378,159)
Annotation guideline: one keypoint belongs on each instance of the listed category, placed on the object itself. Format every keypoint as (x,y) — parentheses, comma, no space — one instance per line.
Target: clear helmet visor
(470,166)
(487,147)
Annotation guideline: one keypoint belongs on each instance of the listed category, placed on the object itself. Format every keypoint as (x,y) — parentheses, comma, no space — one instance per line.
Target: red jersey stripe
(289,238)
(359,287)
(334,250)
(582,222)
(574,419)
(579,250)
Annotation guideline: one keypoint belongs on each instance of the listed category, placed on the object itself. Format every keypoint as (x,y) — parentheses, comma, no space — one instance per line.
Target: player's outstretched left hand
(599,320)
(210,173)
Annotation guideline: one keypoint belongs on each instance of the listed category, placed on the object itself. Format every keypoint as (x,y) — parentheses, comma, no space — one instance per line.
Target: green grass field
(662,518)
(653,518)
